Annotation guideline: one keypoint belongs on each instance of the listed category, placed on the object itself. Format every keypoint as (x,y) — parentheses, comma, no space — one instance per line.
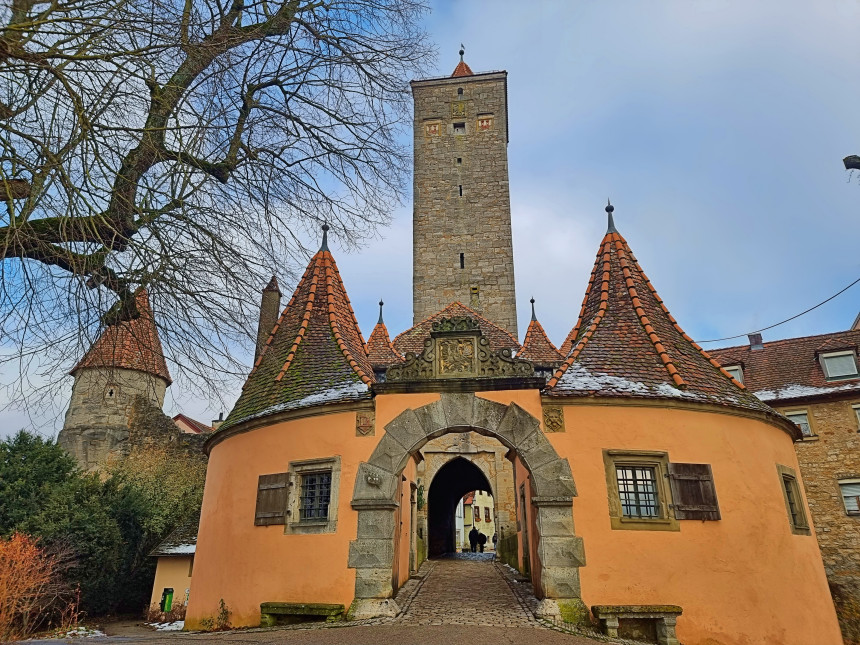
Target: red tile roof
(627,344)
(537,347)
(380,351)
(789,369)
(315,353)
(412,340)
(195,426)
(131,344)
(462,70)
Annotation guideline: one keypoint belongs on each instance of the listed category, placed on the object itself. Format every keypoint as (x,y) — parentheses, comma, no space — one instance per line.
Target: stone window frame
(847,480)
(294,525)
(806,437)
(856,408)
(659,461)
(788,478)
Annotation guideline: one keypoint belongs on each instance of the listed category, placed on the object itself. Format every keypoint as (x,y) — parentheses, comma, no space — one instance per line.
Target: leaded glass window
(316,495)
(637,490)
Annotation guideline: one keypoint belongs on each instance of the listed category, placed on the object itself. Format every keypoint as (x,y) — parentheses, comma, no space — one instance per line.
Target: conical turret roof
(627,344)
(380,351)
(462,68)
(315,353)
(537,347)
(130,344)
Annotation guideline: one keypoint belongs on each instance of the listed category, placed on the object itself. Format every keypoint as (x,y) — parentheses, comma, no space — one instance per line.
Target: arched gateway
(560,552)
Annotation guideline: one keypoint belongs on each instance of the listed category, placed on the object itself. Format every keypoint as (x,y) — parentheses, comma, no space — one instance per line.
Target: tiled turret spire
(626,343)
(380,351)
(537,346)
(462,68)
(315,353)
(131,344)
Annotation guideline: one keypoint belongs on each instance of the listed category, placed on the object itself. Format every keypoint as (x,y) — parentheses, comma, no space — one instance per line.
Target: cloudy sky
(718,130)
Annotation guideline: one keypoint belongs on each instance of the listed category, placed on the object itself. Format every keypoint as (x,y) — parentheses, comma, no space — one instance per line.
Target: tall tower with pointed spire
(462,243)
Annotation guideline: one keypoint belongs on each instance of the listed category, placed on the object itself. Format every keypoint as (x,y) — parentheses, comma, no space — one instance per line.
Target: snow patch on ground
(79,632)
(175,626)
(796,391)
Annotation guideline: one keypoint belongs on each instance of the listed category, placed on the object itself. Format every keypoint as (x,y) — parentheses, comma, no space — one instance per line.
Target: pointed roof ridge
(315,353)
(130,344)
(497,333)
(462,68)
(538,348)
(380,349)
(644,351)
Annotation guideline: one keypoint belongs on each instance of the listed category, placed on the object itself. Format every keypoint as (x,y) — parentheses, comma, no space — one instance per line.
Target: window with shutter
(794,505)
(271,500)
(850,489)
(694,496)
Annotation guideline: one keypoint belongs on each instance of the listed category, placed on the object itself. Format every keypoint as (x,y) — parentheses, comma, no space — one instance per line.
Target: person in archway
(495,542)
(473,538)
(482,540)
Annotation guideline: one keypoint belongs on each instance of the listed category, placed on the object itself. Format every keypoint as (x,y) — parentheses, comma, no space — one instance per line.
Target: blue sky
(718,130)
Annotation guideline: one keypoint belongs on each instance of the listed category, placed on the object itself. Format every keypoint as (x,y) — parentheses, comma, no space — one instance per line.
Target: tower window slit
(461,189)
(462,260)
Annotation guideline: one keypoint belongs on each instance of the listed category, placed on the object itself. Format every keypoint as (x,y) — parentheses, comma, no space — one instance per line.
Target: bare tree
(187,146)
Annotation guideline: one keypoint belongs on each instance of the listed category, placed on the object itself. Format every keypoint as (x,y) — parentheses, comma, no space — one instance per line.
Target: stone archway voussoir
(553,480)
(535,450)
(516,425)
(389,455)
(459,409)
(407,429)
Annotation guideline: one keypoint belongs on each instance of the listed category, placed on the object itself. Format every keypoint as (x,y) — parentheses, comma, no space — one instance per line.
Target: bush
(30,586)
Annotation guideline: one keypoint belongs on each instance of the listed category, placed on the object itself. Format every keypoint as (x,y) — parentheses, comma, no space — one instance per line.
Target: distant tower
(126,362)
(462,247)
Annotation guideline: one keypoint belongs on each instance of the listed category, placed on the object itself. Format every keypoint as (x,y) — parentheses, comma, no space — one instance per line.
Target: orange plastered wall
(246,564)
(741,580)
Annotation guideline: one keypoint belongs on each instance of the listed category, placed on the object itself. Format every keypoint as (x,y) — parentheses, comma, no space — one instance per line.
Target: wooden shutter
(271,500)
(693,494)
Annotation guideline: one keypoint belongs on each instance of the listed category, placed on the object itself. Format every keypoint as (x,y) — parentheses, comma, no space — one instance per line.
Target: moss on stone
(574,611)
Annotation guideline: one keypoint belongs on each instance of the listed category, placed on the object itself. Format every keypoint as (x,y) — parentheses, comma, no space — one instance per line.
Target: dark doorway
(452,481)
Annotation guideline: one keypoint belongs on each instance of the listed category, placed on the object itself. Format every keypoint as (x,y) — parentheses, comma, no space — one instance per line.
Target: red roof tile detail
(314,354)
(412,340)
(626,343)
(380,350)
(538,348)
(131,344)
(462,69)
(790,369)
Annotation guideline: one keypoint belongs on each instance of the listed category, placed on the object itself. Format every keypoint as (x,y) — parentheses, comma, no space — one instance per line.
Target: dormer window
(839,365)
(736,371)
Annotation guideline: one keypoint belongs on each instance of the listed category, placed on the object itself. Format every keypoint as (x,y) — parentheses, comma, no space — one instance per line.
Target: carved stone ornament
(373,479)
(458,349)
(553,419)
(458,108)
(365,424)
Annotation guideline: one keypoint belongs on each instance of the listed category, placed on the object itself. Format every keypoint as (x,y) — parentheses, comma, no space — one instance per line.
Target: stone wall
(834,454)
(461,198)
(98,419)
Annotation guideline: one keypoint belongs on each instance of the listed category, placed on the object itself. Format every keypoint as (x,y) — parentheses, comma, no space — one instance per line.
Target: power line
(782,322)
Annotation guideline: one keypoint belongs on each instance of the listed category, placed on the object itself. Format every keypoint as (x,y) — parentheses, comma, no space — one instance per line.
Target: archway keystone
(371,554)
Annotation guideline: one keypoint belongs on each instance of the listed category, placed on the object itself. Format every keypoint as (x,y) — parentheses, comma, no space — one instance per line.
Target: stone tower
(462,246)
(124,368)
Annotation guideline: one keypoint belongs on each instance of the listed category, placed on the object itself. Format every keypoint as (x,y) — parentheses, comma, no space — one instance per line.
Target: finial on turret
(380,313)
(609,209)
(462,51)
(533,309)
(324,246)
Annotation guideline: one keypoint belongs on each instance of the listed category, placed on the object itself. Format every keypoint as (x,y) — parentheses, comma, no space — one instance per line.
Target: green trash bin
(167,599)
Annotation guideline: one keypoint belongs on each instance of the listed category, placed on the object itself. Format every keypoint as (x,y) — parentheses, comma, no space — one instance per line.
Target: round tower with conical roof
(124,367)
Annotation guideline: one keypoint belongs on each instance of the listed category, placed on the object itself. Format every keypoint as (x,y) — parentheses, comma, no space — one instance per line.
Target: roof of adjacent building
(790,369)
(315,354)
(380,350)
(181,541)
(412,340)
(537,347)
(197,427)
(627,344)
(131,344)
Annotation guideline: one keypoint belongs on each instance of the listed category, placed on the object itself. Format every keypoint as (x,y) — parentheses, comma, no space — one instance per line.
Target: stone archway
(447,487)
(560,551)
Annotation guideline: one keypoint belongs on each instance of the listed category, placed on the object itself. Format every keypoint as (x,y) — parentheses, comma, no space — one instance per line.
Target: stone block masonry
(462,242)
